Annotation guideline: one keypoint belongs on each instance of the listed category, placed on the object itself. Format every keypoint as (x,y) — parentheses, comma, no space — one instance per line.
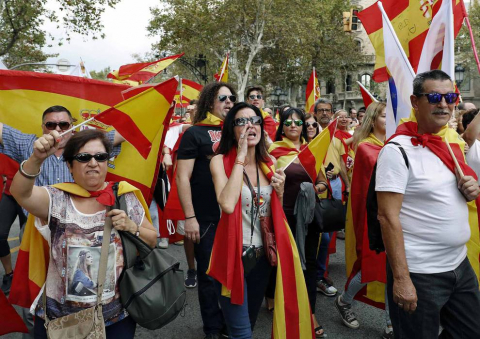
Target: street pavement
(189,324)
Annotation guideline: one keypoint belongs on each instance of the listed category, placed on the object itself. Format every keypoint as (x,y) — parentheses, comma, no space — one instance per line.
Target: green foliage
(101,75)
(463,47)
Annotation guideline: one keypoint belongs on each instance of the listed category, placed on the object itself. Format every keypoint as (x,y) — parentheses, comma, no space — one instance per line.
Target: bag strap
(402,151)
(255,201)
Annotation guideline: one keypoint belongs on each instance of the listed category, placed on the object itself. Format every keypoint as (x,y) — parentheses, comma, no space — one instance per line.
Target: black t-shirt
(200,143)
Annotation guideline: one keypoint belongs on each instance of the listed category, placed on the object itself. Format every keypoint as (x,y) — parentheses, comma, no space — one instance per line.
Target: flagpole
(224,66)
(290,162)
(77,126)
(472,40)
(181,98)
(457,165)
(314,89)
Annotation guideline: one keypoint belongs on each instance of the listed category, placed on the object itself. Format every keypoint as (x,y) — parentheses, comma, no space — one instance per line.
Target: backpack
(374,229)
(151,284)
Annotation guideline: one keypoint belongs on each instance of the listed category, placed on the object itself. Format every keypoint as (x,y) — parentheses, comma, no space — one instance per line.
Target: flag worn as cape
(349,156)
(34,253)
(358,256)
(312,92)
(210,120)
(285,151)
(222,75)
(84,98)
(292,316)
(436,143)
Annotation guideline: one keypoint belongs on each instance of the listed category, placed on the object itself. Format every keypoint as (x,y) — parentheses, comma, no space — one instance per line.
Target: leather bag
(268,238)
(333,214)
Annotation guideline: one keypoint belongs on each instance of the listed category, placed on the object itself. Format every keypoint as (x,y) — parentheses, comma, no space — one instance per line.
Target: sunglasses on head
(224,97)
(64,125)
(289,122)
(86,157)
(435,98)
(253,97)
(256,120)
(313,124)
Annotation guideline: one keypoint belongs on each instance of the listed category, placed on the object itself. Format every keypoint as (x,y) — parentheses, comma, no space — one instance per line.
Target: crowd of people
(231,177)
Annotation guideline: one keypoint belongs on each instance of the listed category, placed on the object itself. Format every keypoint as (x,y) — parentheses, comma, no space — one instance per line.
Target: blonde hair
(337,113)
(371,114)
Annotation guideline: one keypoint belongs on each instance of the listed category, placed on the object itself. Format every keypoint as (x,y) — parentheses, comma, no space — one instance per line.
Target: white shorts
(181,227)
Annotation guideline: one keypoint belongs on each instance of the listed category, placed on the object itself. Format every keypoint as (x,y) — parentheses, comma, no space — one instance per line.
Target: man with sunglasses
(423,212)
(255,97)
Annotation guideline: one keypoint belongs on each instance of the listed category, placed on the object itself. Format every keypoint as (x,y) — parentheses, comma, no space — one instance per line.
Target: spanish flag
(285,151)
(10,321)
(358,256)
(136,74)
(269,125)
(34,254)
(367,97)
(411,21)
(292,315)
(313,155)
(312,92)
(222,76)
(141,118)
(33,92)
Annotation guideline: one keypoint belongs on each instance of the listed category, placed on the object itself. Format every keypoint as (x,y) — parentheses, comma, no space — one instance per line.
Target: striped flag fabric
(141,118)
(312,92)
(222,75)
(312,156)
(367,97)
(189,90)
(411,20)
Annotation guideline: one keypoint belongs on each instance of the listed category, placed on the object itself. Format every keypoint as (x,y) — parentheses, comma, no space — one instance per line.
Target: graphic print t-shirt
(200,143)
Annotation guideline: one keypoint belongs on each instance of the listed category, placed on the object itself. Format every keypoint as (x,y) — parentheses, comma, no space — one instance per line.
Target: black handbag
(333,213)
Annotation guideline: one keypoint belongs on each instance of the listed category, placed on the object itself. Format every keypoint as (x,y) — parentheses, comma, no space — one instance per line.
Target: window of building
(365,79)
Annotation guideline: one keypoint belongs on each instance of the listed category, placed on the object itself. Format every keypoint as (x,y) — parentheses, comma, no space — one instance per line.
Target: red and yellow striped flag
(141,118)
(411,22)
(222,76)
(312,157)
(312,92)
(136,74)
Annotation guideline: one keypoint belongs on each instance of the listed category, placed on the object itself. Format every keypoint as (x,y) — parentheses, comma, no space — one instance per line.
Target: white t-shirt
(434,214)
(172,136)
(473,157)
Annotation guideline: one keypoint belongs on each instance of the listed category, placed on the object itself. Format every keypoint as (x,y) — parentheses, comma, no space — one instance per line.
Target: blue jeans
(322,255)
(241,319)
(336,185)
(449,299)
(212,317)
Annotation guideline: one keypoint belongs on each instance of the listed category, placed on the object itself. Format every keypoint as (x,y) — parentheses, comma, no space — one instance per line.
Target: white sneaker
(163,243)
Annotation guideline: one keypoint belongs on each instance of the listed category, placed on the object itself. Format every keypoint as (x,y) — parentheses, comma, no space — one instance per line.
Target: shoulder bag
(333,213)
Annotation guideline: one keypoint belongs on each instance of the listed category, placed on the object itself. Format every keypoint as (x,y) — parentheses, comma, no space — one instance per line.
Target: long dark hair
(207,99)
(228,140)
(287,114)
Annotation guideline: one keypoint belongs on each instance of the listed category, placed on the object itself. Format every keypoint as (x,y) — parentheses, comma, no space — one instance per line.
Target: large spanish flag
(222,75)
(141,118)
(25,95)
(358,256)
(411,21)
(312,92)
(136,74)
(292,315)
(313,155)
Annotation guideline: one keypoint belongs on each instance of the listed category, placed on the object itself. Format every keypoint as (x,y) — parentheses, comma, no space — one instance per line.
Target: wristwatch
(137,233)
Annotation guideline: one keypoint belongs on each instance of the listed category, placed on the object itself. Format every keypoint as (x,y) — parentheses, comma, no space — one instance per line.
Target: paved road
(189,326)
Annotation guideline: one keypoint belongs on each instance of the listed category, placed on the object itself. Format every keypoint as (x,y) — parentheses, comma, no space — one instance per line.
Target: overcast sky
(126,34)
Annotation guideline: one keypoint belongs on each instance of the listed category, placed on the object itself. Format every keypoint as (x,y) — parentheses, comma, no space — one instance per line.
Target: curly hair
(207,99)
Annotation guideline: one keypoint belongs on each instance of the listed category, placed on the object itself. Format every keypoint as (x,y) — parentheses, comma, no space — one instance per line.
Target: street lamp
(280,96)
(459,75)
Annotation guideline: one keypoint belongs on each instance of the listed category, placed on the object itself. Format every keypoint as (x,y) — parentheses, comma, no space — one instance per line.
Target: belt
(259,252)
(333,177)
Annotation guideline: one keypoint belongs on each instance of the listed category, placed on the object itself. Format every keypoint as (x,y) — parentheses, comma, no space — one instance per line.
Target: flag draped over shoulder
(84,98)
(312,156)
(285,151)
(222,75)
(312,92)
(292,316)
(367,97)
(436,143)
(141,118)
(358,256)
(269,125)
(34,253)
(411,21)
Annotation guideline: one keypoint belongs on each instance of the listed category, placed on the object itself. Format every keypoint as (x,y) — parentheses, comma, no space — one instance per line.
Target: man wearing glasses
(255,97)
(423,212)
(323,110)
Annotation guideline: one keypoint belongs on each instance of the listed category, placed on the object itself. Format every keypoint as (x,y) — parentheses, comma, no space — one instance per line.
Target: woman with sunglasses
(292,138)
(248,188)
(73,217)
(313,127)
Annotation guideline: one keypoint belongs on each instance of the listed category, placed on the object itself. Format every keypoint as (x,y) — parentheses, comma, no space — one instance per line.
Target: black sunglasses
(224,97)
(253,97)
(314,124)
(256,120)
(289,122)
(435,98)
(64,125)
(86,157)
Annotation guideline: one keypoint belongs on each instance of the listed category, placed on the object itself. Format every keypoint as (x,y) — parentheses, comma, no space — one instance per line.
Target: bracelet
(190,217)
(238,162)
(25,174)
(323,183)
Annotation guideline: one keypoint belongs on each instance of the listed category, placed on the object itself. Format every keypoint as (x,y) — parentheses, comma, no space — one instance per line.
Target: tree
(21,34)
(101,75)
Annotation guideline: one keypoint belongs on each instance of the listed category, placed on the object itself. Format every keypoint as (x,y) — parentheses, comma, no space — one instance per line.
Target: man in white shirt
(423,213)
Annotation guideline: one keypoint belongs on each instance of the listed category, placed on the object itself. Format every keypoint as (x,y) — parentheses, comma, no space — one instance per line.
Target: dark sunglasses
(253,97)
(289,122)
(435,98)
(313,124)
(256,120)
(86,157)
(64,125)
(223,97)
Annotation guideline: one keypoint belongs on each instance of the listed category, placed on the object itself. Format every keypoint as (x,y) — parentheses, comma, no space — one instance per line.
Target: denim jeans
(449,299)
(241,319)
(153,209)
(322,255)
(211,313)
(336,185)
